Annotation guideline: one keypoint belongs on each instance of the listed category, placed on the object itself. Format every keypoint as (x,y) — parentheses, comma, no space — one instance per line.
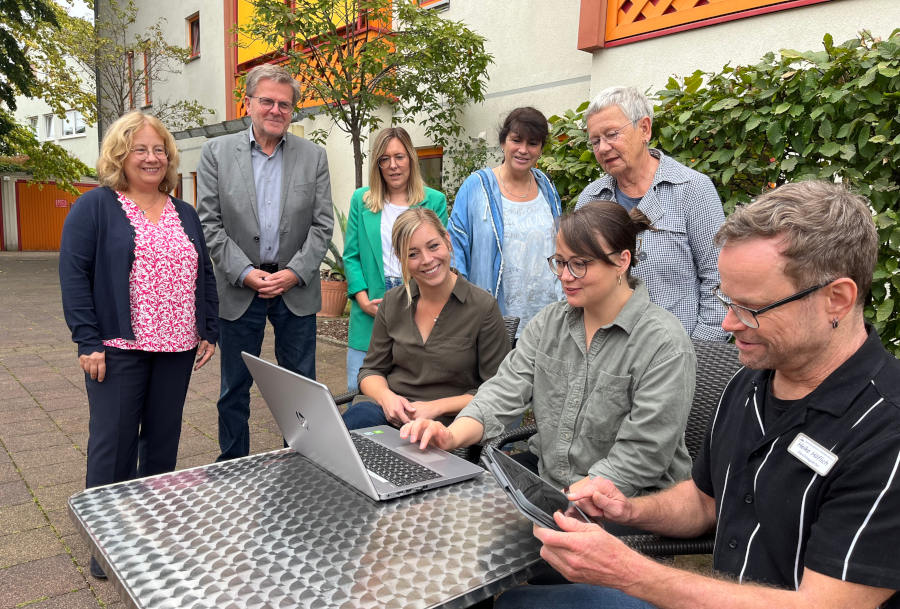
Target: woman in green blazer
(395,185)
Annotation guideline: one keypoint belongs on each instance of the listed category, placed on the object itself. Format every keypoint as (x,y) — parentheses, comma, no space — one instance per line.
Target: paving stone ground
(43,438)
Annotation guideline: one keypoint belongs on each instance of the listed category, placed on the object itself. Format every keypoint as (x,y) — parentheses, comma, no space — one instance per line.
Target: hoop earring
(834,323)
(618,280)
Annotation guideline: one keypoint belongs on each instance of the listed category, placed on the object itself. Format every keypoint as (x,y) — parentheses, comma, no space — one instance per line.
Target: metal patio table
(274,530)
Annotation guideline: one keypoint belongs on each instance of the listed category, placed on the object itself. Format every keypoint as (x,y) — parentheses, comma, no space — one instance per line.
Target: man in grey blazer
(264,198)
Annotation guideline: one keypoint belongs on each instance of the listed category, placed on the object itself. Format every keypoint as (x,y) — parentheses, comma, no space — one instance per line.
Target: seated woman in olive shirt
(435,339)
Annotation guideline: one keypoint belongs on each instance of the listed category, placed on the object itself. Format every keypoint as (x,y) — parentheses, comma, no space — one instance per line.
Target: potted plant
(333,276)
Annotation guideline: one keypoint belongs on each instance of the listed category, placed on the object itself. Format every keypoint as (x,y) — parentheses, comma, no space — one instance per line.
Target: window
(73,124)
(148,101)
(194,187)
(129,60)
(33,125)
(49,131)
(177,192)
(193,34)
(431,165)
(435,4)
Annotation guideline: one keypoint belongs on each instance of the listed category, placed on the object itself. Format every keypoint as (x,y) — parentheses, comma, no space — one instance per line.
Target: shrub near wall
(832,114)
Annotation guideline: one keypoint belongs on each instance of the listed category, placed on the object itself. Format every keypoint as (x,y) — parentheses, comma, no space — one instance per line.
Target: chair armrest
(521,433)
(653,545)
(345,398)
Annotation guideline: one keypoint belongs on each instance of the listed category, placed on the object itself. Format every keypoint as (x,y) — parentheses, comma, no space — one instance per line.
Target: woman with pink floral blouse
(140,299)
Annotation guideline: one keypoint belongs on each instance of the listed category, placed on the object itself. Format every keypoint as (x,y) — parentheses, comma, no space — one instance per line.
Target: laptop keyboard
(389,465)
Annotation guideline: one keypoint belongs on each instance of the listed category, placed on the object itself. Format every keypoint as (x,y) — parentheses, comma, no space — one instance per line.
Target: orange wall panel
(41,209)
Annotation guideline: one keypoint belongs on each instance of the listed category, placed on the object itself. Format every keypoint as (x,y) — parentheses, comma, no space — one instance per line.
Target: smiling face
(627,148)
(788,337)
(273,123)
(600,280)
(520,153)
(396,173)
(145,173)
(428,257)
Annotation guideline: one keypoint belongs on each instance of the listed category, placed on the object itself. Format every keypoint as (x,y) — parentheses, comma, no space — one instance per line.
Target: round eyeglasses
(398,159)
(748,316)
(577,266)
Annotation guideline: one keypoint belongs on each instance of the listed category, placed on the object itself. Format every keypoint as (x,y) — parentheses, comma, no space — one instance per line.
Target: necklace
(145,208)
(506,188)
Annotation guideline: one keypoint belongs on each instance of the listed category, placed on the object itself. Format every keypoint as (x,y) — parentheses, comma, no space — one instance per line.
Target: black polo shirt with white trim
(775,515)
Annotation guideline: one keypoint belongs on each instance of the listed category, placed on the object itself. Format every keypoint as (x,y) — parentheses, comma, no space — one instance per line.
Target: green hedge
(831,114)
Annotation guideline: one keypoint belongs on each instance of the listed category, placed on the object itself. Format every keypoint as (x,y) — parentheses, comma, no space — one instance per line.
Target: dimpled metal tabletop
(274,530)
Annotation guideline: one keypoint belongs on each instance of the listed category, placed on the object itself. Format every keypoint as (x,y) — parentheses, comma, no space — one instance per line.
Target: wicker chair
(716,364)
(469,453)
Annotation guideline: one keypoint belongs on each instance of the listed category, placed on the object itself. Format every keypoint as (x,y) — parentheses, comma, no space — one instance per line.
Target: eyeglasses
(266,104)
(142,152)
(748,316)
(610,137)
(385,161)
(577,266)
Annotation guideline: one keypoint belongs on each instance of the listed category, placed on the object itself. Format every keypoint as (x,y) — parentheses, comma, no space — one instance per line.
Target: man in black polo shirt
(800,472)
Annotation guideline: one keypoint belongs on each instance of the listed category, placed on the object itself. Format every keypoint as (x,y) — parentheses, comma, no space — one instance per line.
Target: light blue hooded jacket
(476,228)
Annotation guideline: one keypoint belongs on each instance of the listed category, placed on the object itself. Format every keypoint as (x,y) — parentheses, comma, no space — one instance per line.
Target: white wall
(201,79)
(536,59)
(648,64)
(82,146)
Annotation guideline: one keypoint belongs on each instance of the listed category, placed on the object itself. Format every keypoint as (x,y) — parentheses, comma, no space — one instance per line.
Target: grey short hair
(633,103)
(267,71)
(828,232)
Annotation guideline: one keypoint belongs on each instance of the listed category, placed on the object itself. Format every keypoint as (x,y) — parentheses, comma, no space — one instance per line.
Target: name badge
(812,454)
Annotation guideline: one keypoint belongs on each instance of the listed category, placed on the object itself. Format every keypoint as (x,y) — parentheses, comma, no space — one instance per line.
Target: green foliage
(831,114)
(32,45)
(567,158)
(335,260)
(423,66)
(465,156)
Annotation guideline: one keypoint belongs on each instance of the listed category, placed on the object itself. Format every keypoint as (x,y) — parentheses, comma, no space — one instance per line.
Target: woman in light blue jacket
(503,222)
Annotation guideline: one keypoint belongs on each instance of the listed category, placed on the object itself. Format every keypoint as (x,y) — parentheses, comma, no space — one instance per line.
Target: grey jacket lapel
(244,166)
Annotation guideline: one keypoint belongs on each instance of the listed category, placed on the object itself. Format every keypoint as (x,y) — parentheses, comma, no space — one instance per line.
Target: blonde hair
(117,146)
(406,224)
(415,187)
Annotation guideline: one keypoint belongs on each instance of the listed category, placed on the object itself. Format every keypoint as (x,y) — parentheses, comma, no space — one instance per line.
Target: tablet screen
(538,492)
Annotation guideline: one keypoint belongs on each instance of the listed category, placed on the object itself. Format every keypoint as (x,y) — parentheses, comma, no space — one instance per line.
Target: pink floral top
(162,282)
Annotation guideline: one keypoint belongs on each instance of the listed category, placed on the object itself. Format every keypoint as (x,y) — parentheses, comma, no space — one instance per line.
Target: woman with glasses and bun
(139,296)
(372,267)
(609,375)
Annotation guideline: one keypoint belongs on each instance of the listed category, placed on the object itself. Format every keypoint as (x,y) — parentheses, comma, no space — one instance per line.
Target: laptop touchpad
(422,456)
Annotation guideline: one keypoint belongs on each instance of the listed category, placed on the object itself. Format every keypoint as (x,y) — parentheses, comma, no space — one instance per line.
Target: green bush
(830,114)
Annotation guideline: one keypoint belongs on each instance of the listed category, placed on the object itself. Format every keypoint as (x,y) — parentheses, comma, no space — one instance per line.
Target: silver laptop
(312,425)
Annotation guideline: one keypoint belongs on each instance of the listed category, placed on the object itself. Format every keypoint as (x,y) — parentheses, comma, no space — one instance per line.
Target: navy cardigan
(95,259)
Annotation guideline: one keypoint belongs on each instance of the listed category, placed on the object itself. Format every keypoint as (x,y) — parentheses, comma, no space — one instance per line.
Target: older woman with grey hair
(677,259)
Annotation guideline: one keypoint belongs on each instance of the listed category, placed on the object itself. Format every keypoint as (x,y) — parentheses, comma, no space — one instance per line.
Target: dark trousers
(295,349)
(135,421)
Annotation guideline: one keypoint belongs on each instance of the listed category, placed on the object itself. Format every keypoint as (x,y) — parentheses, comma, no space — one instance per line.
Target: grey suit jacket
(226,196)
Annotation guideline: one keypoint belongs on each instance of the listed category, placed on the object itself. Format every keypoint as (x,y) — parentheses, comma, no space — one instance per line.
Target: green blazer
(363,259)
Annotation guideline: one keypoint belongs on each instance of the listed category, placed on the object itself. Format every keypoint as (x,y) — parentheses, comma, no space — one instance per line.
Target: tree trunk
(357,156)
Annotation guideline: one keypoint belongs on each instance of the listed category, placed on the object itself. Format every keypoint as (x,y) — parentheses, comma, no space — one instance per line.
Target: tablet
(530,493)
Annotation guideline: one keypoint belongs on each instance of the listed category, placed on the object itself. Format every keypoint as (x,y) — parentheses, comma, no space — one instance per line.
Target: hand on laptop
(428,432)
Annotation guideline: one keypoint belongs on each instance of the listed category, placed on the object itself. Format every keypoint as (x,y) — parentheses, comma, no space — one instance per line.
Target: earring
(618,280)
(834,323)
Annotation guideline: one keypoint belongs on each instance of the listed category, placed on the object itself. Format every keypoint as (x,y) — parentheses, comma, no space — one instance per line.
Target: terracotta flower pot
(334,298)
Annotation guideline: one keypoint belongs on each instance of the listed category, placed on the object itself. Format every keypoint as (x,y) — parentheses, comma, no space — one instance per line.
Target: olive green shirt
(465,347)
(617,410)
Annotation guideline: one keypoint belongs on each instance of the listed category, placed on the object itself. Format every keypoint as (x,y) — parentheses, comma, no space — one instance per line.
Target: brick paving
(43,438)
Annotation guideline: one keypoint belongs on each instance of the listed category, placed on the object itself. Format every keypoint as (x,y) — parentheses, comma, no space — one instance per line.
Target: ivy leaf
(774,133)
(884,310)
(829,149)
